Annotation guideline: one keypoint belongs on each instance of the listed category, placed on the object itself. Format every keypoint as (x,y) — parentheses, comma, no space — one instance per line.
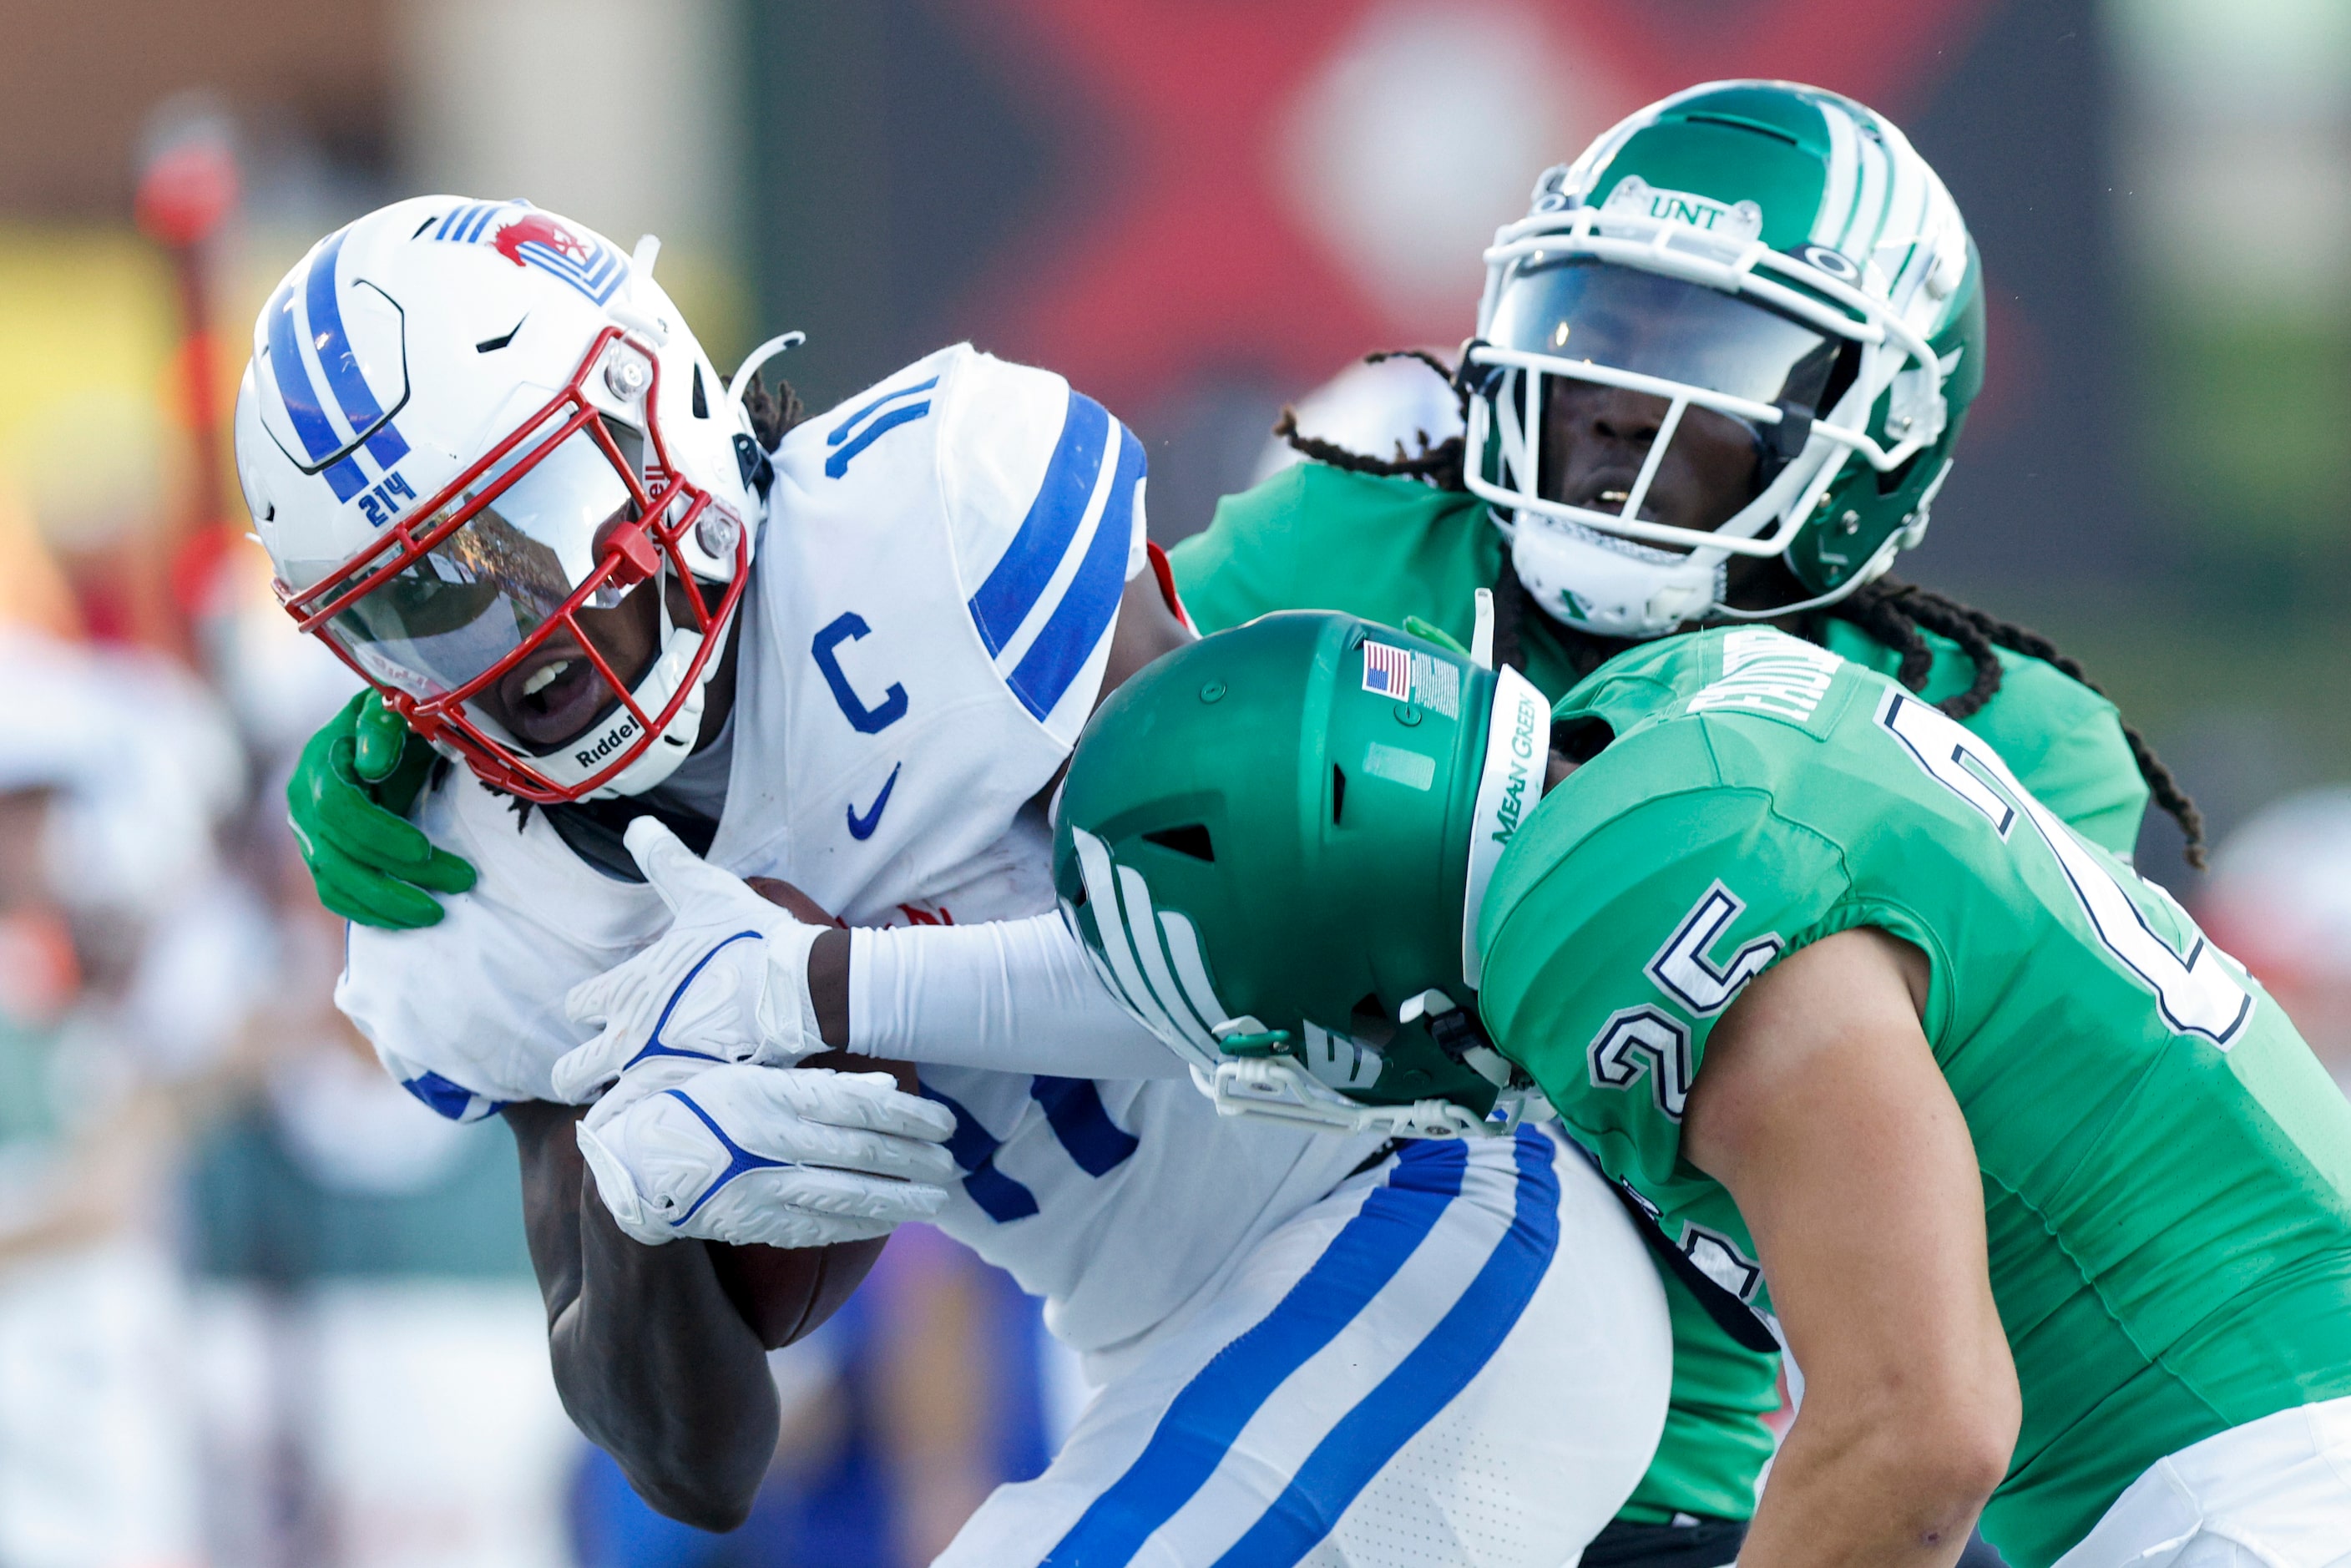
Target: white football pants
(2272,1493)
(1460,1358)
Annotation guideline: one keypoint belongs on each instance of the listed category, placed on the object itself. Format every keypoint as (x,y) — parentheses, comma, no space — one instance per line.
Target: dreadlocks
(772,412)
(1439,465)
(1893,612)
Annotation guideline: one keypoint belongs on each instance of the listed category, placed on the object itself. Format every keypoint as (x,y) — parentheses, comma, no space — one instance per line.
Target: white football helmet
(466,422)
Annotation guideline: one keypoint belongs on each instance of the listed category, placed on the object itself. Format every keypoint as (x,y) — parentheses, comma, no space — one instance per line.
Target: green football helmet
(1777,255)
(1273,843)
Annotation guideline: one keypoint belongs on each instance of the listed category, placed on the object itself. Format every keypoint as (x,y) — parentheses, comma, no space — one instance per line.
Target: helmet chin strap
(1871,570)
(581,757)
(674,743)
(1612,587)
(1510,782)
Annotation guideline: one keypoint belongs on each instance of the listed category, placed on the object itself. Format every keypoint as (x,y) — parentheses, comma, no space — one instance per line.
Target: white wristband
(1017,996)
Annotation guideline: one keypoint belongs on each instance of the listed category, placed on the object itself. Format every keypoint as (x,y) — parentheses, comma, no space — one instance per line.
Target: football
(784,1293)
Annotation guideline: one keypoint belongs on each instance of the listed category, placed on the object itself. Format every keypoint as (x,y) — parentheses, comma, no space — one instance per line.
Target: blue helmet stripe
(301,397)
(344,377)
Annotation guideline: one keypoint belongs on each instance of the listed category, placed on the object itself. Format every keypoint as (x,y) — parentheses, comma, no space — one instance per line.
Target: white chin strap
(676,744)
(1612,587)
(581,759)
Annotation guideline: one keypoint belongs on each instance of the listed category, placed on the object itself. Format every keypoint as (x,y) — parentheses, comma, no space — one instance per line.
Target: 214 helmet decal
(1372,777)
(548,446)
(1769,254)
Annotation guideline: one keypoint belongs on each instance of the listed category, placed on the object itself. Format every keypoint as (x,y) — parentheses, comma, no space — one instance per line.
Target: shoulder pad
(468,1014)
(1045,511)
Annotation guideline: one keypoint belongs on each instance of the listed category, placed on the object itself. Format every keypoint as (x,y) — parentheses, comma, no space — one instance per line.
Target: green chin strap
(1266,844)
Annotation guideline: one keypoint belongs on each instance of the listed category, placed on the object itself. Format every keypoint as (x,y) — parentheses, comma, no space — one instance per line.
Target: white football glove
(728,983)
(780,1157)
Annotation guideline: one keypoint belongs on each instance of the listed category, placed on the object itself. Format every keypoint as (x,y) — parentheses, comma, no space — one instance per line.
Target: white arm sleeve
(1015,996)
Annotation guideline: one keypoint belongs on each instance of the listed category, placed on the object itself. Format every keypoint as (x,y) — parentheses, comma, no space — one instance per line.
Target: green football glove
(348,803)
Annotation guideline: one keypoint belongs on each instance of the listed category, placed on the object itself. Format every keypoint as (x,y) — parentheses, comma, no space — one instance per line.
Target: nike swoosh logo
(861,828)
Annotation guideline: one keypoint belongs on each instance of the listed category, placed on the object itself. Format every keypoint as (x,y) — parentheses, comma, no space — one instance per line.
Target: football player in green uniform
(2048,1197)
(1719,373)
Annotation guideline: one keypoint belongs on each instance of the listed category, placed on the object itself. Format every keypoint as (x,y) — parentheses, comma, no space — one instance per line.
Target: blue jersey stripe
(344,378)
(1422,1384)
(840,431)
(1000,1197)
(838,463)
(1073,1108)
(1018,580)
(1089,603)
(973,1147)
(450,1099)
(300,396)
(1202,1421)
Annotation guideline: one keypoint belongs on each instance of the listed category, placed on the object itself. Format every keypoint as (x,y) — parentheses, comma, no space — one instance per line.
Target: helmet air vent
(492,345)
(1189,839)
(1368,1022)
(701,398)
(1740,122)
(1338,793)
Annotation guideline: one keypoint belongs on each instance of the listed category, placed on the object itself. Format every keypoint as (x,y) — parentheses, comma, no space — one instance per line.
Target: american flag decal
(1388,670)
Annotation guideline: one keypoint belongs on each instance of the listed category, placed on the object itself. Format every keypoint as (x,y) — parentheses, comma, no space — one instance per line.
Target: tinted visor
(1675,330)
(453,613)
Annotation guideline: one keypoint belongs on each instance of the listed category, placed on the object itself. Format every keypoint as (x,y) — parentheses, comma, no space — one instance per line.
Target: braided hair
(772,412)
(1892,611)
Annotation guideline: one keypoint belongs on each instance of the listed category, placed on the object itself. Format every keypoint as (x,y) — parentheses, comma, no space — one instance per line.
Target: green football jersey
(2166,1169)
(1319,538)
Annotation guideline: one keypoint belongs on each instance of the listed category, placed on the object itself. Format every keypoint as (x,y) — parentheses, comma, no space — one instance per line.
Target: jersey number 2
(2193,990)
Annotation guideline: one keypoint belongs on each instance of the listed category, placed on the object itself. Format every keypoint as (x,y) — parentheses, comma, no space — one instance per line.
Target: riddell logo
(544,230)
(611,743)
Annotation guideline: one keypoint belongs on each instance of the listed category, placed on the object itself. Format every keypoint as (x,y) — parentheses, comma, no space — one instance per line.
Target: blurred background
(257,1308)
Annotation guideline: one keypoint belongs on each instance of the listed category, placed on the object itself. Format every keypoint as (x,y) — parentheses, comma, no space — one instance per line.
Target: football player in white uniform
(497,475)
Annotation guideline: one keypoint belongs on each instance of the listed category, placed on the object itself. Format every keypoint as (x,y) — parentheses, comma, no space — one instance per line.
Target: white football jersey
(923,636)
